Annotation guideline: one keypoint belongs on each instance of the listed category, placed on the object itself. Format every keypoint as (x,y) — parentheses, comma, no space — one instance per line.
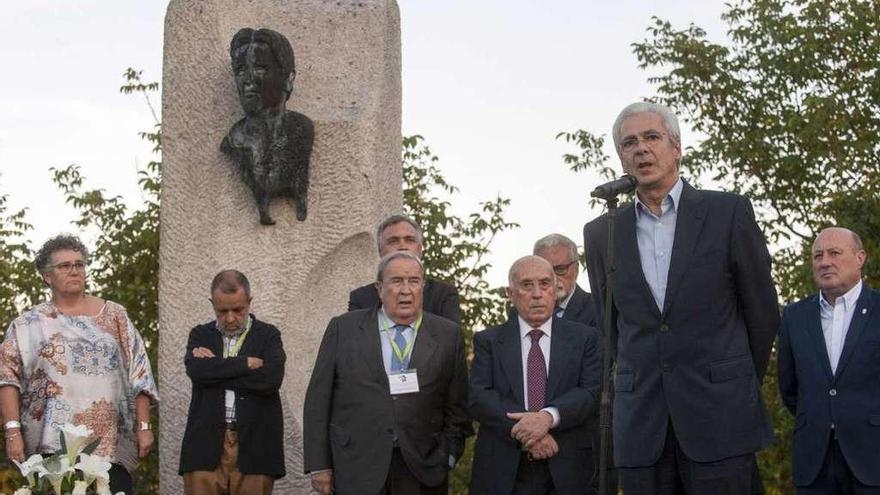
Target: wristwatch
(143,426)
(11,424)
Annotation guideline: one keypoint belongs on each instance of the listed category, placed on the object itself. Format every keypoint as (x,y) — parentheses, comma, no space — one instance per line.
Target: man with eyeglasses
(385,410)
(694,314)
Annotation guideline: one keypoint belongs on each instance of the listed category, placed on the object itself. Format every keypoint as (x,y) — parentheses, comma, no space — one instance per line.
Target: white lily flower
(93,467)
(79,488)
(56,472)
(75,437)
(31,468)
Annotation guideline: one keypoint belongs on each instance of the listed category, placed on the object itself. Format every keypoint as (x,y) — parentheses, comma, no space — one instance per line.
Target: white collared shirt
(525,345)
(835,321)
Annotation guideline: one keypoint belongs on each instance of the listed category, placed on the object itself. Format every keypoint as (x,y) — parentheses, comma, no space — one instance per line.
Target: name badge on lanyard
(403,381)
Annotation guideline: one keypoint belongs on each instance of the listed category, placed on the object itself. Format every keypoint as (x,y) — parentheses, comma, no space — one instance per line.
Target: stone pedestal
(348,83)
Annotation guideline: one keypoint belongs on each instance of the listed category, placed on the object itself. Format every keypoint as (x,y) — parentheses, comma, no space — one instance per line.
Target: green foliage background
(789,114)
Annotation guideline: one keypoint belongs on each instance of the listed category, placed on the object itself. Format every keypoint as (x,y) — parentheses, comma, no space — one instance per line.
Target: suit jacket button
(664,328)
(832,392)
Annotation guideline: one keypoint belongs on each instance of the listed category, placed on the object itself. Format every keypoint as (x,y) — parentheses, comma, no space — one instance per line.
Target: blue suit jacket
(496,388)
(699,360)
(849,399)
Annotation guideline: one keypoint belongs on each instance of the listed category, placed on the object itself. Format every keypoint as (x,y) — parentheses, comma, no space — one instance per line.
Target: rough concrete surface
(348,83)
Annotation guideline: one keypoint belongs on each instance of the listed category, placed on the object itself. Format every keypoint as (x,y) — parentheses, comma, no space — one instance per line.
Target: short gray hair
(670,121)
(393,220)
(556,240)
(61,242)
(388,258)
(514,268)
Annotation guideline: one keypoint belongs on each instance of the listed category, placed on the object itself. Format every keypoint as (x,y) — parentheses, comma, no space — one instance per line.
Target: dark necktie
(536,372)
(400,340)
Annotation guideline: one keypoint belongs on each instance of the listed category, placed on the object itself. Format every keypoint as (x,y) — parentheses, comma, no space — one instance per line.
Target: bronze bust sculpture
(271,146)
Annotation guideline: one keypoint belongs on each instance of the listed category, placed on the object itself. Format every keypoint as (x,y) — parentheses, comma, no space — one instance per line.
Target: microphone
(608,190)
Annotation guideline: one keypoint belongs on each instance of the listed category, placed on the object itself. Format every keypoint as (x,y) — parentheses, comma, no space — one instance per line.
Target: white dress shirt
(526,344)
(835,321)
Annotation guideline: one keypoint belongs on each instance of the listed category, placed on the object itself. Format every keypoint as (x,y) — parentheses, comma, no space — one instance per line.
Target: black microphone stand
(607,341)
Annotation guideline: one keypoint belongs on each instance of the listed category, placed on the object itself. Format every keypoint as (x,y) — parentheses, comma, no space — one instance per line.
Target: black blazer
(257,402)
(350,417)
(580,308)
(849,399)
(496,388)
(439,298)
(699,360)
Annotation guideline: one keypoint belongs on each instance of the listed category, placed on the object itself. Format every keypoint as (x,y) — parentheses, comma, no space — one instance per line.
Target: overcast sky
(488,84)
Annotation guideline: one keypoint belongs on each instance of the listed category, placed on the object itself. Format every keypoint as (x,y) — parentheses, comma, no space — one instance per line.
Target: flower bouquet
(73,470)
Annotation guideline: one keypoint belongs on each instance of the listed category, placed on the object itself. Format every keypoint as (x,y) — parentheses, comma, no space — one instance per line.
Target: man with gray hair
(694,315)
(534,384)
(572,302)
(385,410)
(401,233)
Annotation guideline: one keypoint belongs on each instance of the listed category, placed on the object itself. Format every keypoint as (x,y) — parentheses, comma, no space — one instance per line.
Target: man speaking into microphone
(694,313)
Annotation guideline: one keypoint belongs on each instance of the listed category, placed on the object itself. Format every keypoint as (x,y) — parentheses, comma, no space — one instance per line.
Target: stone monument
(301,268)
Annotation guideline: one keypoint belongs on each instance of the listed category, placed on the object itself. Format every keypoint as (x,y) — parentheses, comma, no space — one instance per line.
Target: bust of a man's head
(263,64)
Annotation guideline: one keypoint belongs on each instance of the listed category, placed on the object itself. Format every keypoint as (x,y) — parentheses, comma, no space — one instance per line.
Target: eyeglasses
(562,269)
(69,266)
(650,138)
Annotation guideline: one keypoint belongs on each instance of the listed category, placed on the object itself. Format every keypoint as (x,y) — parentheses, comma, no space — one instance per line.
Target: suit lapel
(559,354)
(575,305)
(857,325)
(689,221)
(628,258)
(510,350)
(814,330)
(369,342)
(423,349)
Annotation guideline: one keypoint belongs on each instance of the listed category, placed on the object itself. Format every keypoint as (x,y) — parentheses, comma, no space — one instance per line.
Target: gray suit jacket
(350,417)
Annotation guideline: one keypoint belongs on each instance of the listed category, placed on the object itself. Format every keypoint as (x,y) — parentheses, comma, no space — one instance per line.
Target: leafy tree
(19,287)
(455,247)
(455,251)
(789,114)
(124,264)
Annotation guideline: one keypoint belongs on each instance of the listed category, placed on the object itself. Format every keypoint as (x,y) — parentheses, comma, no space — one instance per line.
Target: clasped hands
(203,352)
(532,431)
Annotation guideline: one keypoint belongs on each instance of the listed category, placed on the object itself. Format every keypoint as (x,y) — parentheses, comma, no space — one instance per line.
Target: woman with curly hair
(76,359)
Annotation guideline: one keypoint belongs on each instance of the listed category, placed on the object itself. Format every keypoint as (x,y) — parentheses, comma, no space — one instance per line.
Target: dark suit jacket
(496,388)
(350,416)
(257,402)
(439,298)
(849,399)
(580,308)
(699,361)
